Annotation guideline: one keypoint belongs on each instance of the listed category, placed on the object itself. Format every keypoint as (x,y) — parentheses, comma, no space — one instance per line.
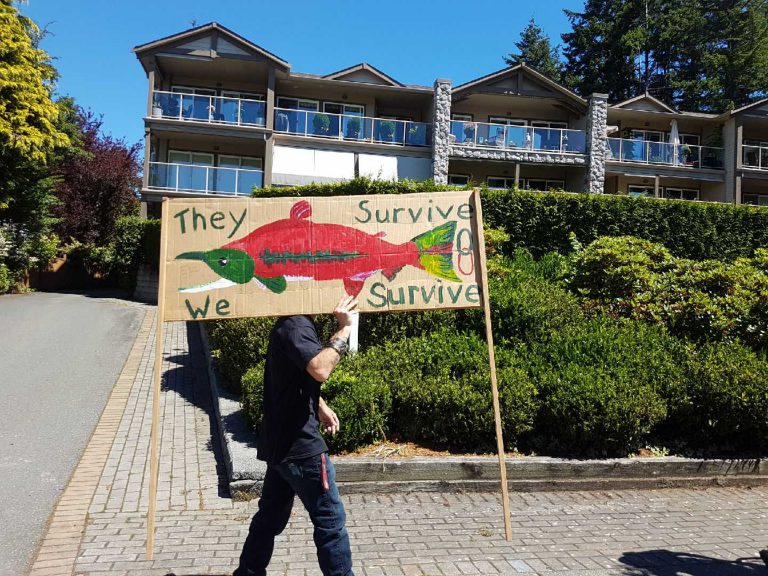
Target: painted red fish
(298,249)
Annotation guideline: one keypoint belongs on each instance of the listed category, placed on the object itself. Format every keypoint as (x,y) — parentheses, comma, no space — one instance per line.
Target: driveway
(60,355)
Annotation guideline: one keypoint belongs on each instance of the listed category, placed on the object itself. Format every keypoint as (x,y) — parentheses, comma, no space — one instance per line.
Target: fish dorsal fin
(301,210)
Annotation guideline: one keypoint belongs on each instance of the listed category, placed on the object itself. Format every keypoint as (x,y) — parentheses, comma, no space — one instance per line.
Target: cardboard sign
(230,258)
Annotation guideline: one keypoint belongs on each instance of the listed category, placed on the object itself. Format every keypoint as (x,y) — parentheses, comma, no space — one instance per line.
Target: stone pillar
(441,131)
(597,143)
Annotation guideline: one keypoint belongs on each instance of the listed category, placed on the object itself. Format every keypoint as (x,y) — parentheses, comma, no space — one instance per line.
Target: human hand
(328,419)
(346,311)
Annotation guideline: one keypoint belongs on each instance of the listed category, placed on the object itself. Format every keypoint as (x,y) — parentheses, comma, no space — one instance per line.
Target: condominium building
(224,115)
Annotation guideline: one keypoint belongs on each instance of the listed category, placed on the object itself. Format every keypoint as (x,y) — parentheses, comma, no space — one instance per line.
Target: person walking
(289,441)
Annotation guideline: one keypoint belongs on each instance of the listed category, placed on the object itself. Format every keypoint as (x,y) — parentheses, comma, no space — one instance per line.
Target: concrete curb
(475,473)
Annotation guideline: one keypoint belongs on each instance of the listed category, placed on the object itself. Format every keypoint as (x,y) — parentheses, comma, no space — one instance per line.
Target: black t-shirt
(289,428)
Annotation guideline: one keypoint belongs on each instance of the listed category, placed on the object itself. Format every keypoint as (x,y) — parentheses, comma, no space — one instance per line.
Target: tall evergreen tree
(722,60)
(607,48)
(535,49)
(708,55)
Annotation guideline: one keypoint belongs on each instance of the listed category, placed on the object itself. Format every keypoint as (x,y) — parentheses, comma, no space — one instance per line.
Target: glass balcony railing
(755,157)
(209,109)
(645,152)
(518,137)
(352,128)
(204,179)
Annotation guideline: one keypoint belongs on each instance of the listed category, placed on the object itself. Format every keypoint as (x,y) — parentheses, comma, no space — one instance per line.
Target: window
(515,133)
(681,194)
(755,199)
(295,115)
(353,130)
(238,174)
(500,183)
(640,191)
(507,121)
(193,103)
(461,128)
(545,185)
(242,108)
(647,135)
(187,171)
(690,139)
(458,180)
(548,135)
(348,109)
(297,103)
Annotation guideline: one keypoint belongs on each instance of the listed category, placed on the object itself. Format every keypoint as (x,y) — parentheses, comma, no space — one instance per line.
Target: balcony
(662,153)
(503,136)
(755,157)
(198,179)
(351,128)
(208,109)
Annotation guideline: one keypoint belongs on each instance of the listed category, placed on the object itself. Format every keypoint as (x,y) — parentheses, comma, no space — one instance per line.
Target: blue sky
(91,40)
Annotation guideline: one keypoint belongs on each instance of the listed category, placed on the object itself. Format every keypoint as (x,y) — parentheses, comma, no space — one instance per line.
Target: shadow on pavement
(189,379)
(670,563)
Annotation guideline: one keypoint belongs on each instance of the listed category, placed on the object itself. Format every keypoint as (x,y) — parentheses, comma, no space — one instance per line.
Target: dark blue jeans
(314,481)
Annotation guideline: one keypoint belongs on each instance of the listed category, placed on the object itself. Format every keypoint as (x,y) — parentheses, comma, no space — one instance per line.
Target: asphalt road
(60,355)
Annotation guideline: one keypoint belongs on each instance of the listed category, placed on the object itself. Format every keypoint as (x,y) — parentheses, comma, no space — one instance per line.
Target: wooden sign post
(492,363)
(242,257)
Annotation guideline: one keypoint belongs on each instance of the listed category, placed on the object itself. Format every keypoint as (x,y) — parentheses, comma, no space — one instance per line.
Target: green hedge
(355,187)
(543,221)
(136,241)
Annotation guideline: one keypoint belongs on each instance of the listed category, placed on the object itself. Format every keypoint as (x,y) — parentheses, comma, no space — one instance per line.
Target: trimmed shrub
(362,399)
(543,222)
(603,386)
(702,300)
(526,304)
(252,386)
(442,394)
(238,344)
(725,407)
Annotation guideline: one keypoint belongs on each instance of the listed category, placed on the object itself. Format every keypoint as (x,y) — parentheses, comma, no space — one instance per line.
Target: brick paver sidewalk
(200,530)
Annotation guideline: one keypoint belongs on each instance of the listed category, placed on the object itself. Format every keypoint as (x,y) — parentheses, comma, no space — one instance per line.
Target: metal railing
(352,128)
(209,109)
(479,134)
(754,157)
(204,179)
(646,152)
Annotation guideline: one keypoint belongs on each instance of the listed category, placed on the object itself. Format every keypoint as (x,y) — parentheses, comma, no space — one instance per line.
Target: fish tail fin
(436,251)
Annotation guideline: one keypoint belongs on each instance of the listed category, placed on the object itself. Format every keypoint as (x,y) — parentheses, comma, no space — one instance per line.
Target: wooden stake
(154,440)
(492,362)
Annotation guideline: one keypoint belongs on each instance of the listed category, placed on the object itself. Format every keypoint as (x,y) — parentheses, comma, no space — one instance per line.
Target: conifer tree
(535,49)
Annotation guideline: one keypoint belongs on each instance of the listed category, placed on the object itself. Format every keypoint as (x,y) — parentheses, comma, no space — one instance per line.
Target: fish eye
(223,262)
